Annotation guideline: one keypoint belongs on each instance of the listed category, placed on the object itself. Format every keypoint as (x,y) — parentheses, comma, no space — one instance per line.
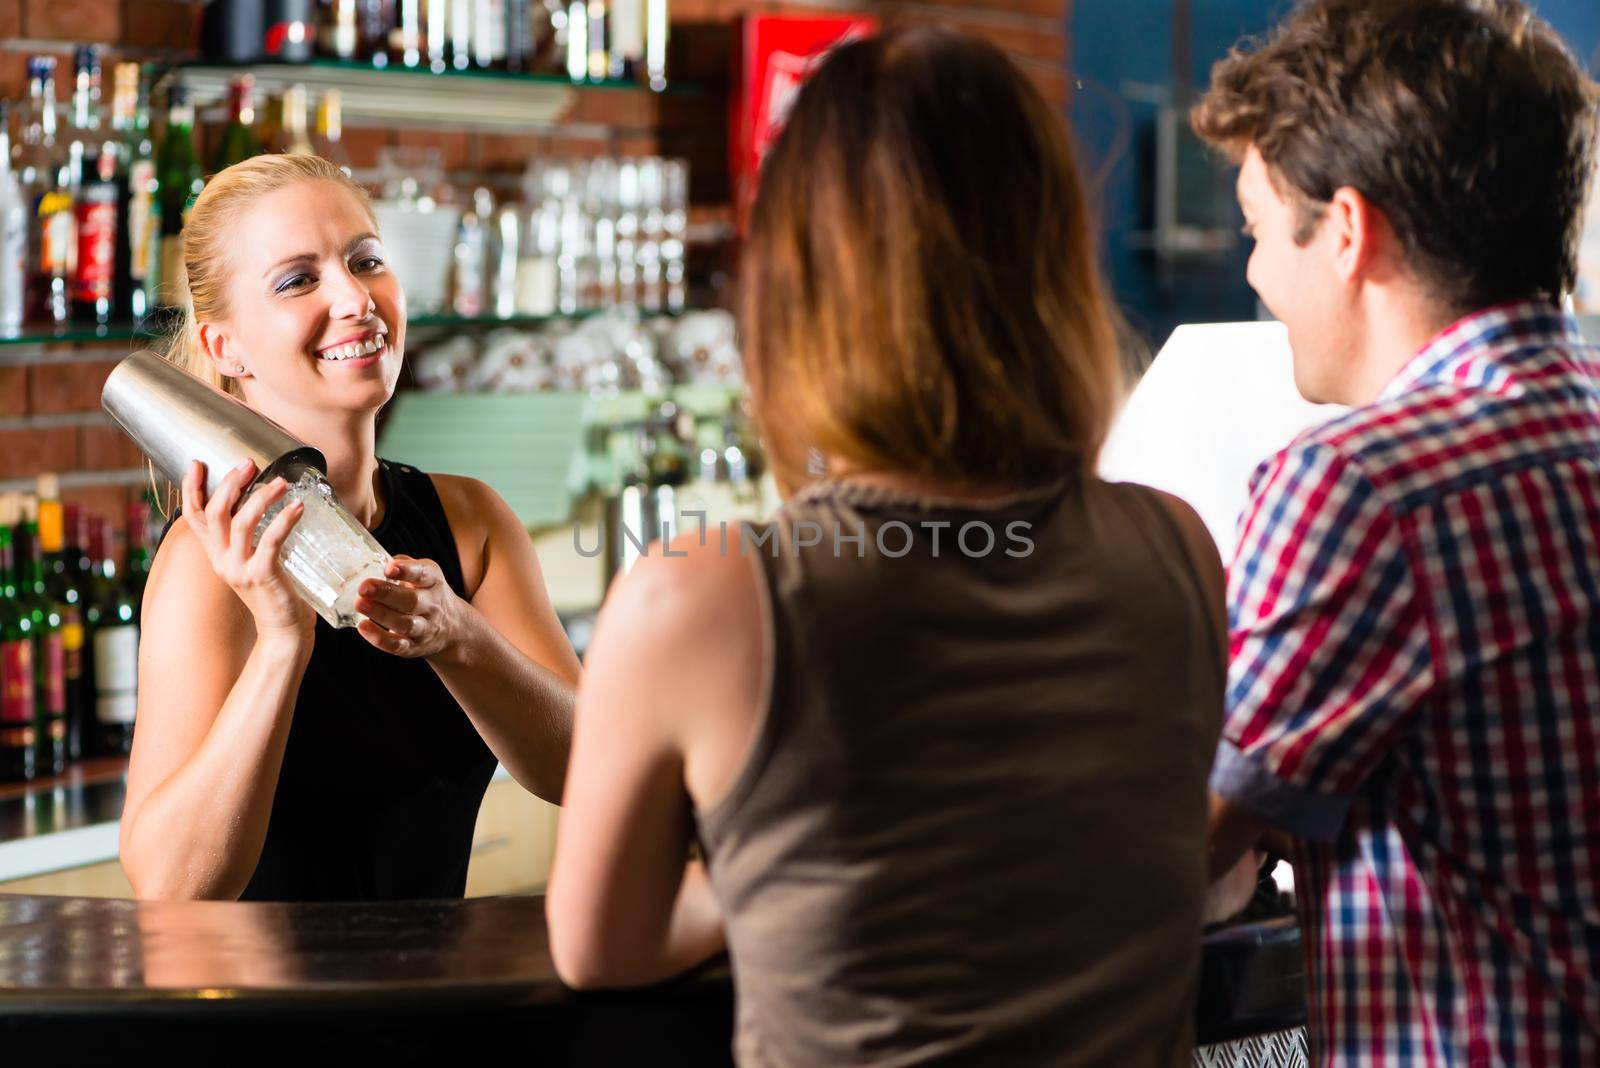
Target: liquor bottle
(518,35)
(114,623)
(578,40)
(18,705)
(96,197)
(471,256)
(374,21)
(49,664)
(488,34)
(179,177)
(238,139)
(136,563)
(13,233)
(329,140)
(599,63)
(62,578)
(436,33)
(625,58)
(43,171)
(337,35)
(461,21)
(139,238)
(406,38)
(655,43)
(292,136)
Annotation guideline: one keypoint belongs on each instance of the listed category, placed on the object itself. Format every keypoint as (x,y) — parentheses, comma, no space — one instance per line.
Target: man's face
(1294,276)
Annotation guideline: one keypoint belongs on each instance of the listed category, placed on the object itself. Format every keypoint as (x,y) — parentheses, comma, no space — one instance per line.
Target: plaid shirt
(1415,694)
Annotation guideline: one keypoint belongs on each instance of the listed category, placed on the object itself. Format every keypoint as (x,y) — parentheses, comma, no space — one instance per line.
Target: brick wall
(49,394)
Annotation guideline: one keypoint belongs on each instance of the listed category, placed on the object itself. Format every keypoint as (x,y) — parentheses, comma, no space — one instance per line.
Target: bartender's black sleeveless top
(383,773)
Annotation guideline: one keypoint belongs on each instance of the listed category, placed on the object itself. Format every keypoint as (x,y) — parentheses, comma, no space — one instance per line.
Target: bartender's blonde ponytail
(206,246)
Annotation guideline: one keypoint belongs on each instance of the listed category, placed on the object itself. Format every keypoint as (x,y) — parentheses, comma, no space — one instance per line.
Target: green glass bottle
(64,573)
(238,139)
(18,707)
(49,649)
(139,240)
(179,179)
(114,623)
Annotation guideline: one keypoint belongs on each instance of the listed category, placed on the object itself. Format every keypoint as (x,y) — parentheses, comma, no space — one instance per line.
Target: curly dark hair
(1468,122)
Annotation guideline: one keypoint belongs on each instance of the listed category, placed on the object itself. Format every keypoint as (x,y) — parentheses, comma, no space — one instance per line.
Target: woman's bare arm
(502,653)
(217,688)
(668,706)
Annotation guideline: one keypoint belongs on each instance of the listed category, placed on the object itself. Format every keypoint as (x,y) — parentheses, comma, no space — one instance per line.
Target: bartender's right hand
(252,571)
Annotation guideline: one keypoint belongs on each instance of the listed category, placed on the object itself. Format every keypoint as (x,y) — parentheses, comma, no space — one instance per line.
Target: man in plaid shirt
(1414,610)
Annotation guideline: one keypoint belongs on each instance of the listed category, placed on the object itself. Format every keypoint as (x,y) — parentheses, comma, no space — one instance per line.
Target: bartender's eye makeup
(292,282)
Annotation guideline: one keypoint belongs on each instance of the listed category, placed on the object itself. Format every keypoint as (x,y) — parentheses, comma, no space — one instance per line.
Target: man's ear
(217,343)
(1365,241)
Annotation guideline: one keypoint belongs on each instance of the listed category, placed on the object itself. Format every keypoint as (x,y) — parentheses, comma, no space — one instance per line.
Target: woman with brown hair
(942,728)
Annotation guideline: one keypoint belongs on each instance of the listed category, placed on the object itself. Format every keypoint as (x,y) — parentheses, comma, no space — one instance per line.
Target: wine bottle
(18,706)
(62,577)
(238,139)
(136,564)
(96,196)
(178,172)
(292,136)
(114,623)
(45,175)
(13,233)
(49,651)
(329,140)
(139,237)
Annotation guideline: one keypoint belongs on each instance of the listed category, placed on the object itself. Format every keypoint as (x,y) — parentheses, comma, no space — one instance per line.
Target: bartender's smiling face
(316,316)
(1293,272)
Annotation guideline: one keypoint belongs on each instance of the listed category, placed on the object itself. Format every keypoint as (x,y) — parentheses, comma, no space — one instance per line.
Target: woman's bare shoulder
(185,593)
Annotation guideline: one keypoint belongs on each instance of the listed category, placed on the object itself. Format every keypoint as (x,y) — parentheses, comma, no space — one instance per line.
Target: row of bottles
(69,633)
(91,208)
(285,125)
(586,40)
(588,234)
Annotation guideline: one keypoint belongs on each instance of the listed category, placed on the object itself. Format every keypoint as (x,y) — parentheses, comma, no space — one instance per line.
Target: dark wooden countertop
(98,980)
(407,982)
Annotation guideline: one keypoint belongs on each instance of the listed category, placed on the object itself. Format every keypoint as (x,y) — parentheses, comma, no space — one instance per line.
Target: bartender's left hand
(412,612)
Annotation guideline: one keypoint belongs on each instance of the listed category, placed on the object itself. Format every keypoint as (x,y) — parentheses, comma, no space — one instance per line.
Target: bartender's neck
(348,441)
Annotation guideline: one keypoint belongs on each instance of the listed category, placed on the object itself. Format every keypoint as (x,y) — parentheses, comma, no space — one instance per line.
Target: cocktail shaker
(174,418)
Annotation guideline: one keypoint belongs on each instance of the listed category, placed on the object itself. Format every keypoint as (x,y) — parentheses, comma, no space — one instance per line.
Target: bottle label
(16,681)
(55,251)
(55,674)
(116,710)
(97,243)
(142,216)
(116,660)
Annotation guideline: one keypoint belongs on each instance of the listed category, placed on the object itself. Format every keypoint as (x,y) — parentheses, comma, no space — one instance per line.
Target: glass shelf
(159,326)
(355,70)
(72,334)
(411,97)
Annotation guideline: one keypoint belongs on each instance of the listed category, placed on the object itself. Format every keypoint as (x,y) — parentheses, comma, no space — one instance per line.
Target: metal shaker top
(175,417)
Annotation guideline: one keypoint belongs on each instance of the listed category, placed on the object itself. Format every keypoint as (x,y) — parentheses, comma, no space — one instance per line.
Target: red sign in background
(776,54)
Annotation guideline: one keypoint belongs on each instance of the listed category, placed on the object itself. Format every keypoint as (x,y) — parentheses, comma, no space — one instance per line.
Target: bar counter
(100,978)
(94,979)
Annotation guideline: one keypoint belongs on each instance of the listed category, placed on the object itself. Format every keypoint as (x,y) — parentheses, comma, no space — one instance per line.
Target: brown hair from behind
(1468,122)
(227,195)
(919,288)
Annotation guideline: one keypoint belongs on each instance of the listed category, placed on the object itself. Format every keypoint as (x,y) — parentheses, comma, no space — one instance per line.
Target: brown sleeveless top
(971,825)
